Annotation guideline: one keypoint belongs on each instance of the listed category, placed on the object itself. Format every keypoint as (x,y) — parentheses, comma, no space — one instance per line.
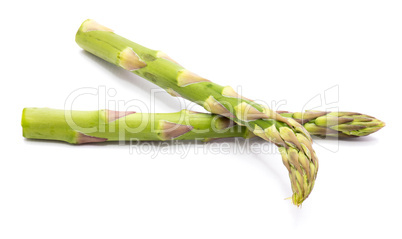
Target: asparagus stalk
(293,141)
(104,125)
(79,127)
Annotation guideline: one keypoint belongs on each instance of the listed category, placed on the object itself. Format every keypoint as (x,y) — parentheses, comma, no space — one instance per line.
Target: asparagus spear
(293,141)
(105,125)
(79,127)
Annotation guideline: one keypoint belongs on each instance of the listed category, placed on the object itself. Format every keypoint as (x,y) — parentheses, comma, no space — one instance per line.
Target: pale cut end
(173,93)
(112,115)
(229,92)
(91,25)
(129,60)
(187,77)
(171,130)
(246,112)
(85,139)
(163,55)
(213,106)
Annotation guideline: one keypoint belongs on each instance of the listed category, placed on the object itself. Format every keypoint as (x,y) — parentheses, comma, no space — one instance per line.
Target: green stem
(77,127)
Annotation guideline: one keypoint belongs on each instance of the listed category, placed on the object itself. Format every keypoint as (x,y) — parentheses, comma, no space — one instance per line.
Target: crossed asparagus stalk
(79,127)
(232,114)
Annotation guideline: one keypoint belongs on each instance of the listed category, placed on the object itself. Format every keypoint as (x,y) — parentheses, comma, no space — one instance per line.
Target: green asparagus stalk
(79,127)
(104,125)
(293,141)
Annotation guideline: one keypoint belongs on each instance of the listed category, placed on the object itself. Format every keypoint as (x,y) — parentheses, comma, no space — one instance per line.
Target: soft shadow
(360,139)
(59,142)
(363,141)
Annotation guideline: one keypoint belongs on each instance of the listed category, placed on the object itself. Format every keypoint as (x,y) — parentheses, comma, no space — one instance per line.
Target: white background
(275,50)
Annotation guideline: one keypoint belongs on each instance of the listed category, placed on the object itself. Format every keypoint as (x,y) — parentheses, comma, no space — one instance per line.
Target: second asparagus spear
(79,127)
